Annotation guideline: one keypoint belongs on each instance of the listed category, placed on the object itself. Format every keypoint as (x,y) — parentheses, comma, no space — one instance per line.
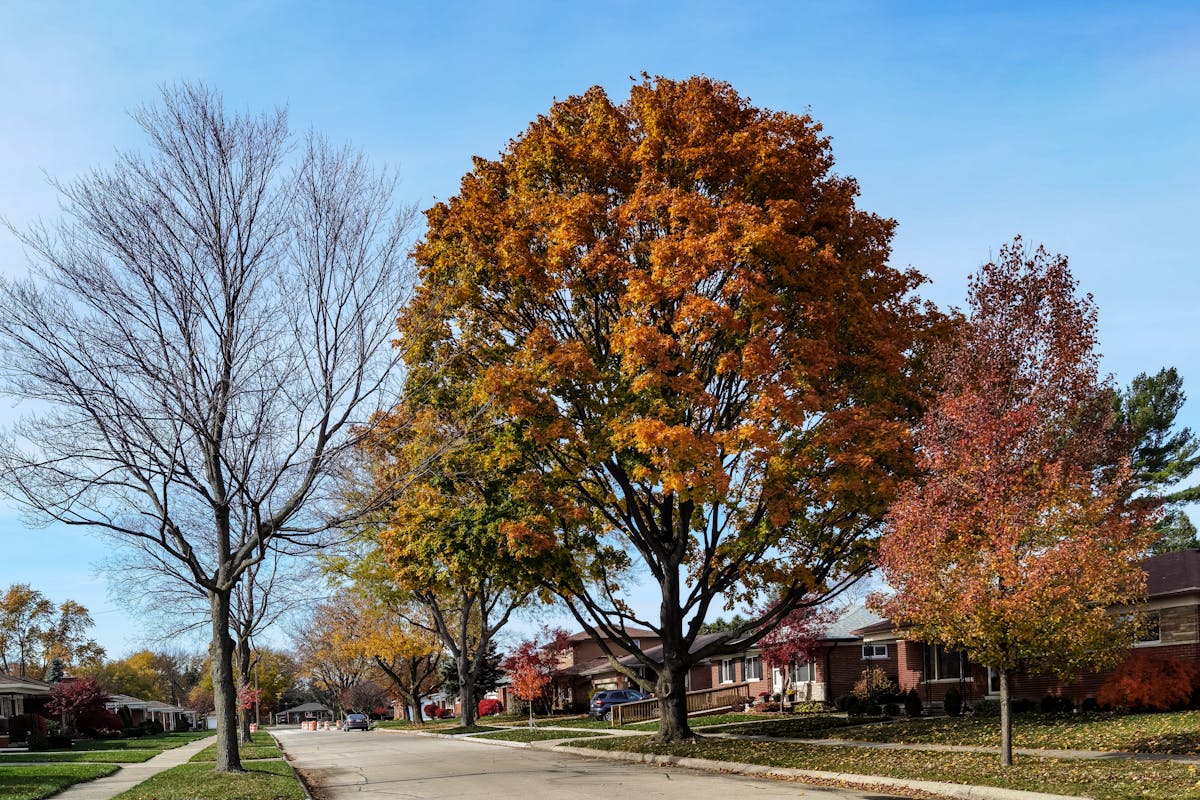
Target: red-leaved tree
(796,640)
(532,665)
(77,701)
(1023,536)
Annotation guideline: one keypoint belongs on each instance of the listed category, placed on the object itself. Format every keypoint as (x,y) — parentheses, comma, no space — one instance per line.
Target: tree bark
(1006,758)
(672,700)
(243,661)
(466,689)
(224,692)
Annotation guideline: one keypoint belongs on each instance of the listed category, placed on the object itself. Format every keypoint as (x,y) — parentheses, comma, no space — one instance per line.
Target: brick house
(838,666)
(1173,604)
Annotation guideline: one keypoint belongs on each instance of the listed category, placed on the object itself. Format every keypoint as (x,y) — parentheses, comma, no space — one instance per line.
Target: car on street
(602,702)
(356,722)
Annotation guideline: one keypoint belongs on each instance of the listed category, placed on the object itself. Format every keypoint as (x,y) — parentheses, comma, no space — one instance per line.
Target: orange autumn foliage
(1149,682)
(708,365)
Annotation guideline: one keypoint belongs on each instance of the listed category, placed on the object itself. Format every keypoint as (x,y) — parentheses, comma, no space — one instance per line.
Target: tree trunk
(466,689)
(1006,759)
(243,660)
(224,691)
(672,700)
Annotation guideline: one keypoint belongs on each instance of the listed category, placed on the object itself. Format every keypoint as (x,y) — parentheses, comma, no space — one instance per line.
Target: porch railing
(698,701)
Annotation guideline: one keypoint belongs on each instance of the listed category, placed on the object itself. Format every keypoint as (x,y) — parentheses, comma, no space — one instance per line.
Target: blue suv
(603,702)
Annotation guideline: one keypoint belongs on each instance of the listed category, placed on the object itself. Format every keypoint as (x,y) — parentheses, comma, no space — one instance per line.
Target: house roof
(634,633)
(305,707)
(851,622)
(11,684)
(1169,574)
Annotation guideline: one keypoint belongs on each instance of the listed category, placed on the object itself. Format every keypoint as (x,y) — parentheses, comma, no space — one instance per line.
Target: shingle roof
(1170,574)
(635,633)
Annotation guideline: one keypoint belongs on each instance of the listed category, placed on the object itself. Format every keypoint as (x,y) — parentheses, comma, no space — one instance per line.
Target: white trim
(874,647)
(732,671)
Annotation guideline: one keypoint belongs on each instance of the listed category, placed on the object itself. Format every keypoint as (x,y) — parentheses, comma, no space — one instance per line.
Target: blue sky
(1076,125)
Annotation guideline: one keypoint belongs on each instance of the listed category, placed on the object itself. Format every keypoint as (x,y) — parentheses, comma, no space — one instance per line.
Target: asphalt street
(388,765)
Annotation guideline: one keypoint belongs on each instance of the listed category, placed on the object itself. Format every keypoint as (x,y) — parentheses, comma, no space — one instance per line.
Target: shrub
(152,727)
(431,711)
(874,686)
(874,710)
(131,733)
(488,706)
(58,741)
(1147,682)
(952,702)
(97,721)
(850,704)
(1089,705)
(1023,706)
(1056,704)
(986,708)
(37,738)
(912,703)
(810,707)
(891,709)
(20,725)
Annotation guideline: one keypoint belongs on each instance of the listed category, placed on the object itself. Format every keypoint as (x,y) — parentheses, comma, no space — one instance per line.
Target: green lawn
(262,745)
(806,726)
(1139,733)
(165,741)
(34,783)
(1102,780)
(88,756)
(262,780)
(536,735)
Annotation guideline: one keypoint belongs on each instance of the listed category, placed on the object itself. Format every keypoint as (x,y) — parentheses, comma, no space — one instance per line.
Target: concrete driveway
(388,765)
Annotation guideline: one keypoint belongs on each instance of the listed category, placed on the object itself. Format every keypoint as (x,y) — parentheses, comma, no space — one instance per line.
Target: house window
(752,669)
(805,673)
(870,651)
(942,664)
(728,671)
(1151,630)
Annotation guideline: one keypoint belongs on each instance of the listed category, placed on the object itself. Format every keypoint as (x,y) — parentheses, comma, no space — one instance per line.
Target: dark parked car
(356,722)
(603,702)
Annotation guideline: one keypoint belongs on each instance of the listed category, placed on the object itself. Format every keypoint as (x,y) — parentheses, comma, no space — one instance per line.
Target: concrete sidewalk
(130,775)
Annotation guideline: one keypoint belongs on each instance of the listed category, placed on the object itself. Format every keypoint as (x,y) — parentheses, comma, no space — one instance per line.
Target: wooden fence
(698,701)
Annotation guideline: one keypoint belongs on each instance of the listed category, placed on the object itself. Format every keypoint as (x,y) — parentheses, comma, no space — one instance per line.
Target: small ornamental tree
(77,700)
(795,641)
(533,664)
(1148,682)
(1023,535)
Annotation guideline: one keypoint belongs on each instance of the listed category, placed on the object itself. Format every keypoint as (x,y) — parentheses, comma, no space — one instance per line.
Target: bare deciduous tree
(200,342)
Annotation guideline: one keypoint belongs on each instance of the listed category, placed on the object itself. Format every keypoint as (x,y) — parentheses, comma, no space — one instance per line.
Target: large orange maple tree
(705,358)
(1022,537)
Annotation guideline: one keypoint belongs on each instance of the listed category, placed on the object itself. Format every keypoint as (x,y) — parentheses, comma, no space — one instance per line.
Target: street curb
(956,790)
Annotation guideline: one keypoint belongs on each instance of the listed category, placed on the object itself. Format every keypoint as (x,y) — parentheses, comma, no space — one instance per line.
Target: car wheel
(608,715)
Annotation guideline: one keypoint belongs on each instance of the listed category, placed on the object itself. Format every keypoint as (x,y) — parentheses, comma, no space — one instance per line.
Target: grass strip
(262,780)
(535,735)
(808,726)
(1115,779)
(247,752)
(35,783)
(1175,733)
(86,756)
(167,741)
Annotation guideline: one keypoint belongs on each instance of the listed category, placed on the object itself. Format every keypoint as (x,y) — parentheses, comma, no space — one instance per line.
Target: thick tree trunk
(243,661)
(1006,758)
(672,700)
(466,689)
(224,690)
